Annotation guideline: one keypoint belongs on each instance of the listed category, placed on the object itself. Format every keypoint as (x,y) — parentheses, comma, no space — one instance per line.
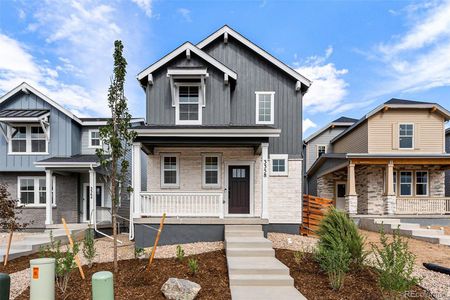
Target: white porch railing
(423,206)
(182,204)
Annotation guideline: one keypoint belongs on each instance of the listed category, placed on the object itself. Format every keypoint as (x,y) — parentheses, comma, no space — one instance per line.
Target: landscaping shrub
(139,252)
(395,264)
(180,253)
(299,256)
(334,261)
(64,261)
(89,250)
(338,230)
(193,265)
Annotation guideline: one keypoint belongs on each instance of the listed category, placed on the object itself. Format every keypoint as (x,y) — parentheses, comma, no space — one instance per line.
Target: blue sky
(358,53)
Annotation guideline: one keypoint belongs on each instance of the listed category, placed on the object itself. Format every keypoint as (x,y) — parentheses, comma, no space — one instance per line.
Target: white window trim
(286,164)
(90,139)
(428,183)
(395,181)
(219,171)
(170,185)
(36,191)
(27,139)
(400,184)
(272,100)
(413,138)
(177,104)
(317,149)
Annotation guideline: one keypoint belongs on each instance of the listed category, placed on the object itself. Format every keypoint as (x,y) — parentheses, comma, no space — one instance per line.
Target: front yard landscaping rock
(180,289)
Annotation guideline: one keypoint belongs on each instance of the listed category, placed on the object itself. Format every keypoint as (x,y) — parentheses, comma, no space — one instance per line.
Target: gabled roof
(229,31)
(342,121)
(192,48)
(396,103)
(25,87)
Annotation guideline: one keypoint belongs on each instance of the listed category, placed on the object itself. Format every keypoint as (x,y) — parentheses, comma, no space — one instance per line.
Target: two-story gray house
(44,147)
(223,139)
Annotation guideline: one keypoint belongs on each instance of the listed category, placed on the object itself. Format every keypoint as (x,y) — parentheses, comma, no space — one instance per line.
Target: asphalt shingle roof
(83,158)
(345,120)
(404,101)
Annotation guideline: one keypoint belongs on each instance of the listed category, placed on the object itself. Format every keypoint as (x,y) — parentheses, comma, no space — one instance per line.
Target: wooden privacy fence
(314,208)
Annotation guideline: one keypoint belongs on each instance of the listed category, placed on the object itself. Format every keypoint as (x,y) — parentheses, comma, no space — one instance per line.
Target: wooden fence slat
(314,209)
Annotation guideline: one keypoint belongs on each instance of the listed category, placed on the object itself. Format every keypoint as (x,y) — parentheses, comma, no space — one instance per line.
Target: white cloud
(145,5)
(185,13)
(308,124)
(416,60)
(328,88)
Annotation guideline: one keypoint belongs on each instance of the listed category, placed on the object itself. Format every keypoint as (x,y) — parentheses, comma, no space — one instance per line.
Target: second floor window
(28,139)
(321,149)
(265,107)
(406,136)
(188,108)
(94,139)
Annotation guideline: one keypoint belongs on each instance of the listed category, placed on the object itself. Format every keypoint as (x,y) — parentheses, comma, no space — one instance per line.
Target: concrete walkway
(253,270)
(412,230)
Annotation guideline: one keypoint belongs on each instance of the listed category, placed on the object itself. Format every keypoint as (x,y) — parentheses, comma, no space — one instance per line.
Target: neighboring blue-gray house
(44,147)
(223,139)
(447,173)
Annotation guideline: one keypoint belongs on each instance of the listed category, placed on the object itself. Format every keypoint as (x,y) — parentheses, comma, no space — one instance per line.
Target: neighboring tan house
(318,143)
(224,141)
(392,161)
(43,147)
(447,173)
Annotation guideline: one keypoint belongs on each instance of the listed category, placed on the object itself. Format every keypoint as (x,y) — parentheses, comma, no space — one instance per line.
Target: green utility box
(5,284)
(42,279)
(103,286)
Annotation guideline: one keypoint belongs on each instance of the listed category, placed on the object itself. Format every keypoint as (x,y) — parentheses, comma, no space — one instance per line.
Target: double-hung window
(321,149)
(170,171)
(265,107)
(32,190)
(188,105)
(94,139)
(421,183)
(406,182)
(279,165)
(211,170)
(27,139)
(406,136)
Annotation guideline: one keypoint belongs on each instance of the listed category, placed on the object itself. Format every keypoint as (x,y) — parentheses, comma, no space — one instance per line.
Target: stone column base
(351,204)
(390,203)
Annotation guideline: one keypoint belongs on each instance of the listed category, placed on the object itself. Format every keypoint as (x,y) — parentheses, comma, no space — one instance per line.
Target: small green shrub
(193,265)
(180,253)
(337,229)
(89,250)
(64,261)
(139,252)
(335,262)
(395,264)
(299,256)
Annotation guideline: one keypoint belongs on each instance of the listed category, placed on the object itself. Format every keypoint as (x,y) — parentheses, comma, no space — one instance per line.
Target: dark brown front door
(238,189)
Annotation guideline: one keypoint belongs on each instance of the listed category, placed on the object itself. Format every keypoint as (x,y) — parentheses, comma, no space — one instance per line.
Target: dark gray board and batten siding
(235,103)
(63,134)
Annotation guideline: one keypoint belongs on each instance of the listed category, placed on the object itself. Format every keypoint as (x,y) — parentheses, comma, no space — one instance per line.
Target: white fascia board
(180,50)
(66,164)
(193,71)
(210,132)
(257,49)
(21,120)
(95,123)
(28,87)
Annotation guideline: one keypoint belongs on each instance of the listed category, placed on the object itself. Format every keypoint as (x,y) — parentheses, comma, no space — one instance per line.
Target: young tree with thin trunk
(117,139)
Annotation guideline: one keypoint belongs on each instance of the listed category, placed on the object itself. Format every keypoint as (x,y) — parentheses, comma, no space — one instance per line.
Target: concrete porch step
(440,239)
(244,233)
(257,280)
(229,228)
(257,266)
(266,293)
(248,242)
(386,221)
(250,252)
(416,232)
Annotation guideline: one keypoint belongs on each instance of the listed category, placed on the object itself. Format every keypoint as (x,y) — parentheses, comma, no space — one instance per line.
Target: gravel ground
(104,246)
(437,284)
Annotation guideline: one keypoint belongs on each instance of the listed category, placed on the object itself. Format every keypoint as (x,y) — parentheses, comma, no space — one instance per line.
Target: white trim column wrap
(48,197)
(135,204)
(351,199)
(92,194)
(265,178)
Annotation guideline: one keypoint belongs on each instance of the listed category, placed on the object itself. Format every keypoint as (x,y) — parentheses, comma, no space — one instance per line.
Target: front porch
(387,186)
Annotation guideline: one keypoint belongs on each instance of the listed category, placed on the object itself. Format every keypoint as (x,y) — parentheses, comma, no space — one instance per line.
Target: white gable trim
(26,87)
(178,51)
(228,31)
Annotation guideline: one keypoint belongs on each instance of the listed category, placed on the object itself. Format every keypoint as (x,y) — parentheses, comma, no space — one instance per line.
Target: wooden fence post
(77,259)
(161,225)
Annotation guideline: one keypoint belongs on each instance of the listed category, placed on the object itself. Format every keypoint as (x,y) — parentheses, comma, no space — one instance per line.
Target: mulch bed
(133,282)
(18,264)
(313,284)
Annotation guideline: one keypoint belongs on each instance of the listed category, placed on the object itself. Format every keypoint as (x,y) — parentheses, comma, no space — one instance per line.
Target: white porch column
(264,182)
(351,199)
(389,197)
(92,196)
(135,205)
(48,197)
